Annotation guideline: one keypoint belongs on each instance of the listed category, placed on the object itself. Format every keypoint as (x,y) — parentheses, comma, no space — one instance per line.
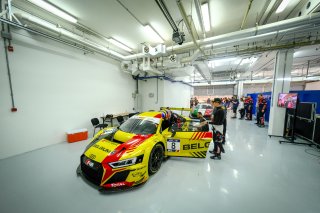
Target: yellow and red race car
(125,156)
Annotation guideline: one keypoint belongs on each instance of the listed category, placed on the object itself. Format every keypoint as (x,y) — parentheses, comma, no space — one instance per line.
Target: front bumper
(106,177)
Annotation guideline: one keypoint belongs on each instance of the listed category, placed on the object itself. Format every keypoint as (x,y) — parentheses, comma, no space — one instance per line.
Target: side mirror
(173,132)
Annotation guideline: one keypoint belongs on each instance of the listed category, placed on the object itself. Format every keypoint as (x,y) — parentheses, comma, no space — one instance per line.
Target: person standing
(196,101)
(208,101)
(203,126)
(262,105)
(235,104)
(249,108)
(241,108)
(218,118)
(191,102)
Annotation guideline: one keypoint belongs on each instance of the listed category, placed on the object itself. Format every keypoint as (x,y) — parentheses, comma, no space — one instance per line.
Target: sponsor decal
(88,162)
(195,146)
(92,156)
(118,184)
(101,148)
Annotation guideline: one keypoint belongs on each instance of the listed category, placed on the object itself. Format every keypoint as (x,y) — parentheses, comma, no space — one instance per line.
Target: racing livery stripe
(192,154)
(197,155)
(208,135)
(204,153)
(201,154)
(120,150)
(193,136)
(196,135)
(202,134)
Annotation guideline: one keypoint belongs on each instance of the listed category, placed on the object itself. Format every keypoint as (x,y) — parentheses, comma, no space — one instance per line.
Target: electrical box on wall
(151,95)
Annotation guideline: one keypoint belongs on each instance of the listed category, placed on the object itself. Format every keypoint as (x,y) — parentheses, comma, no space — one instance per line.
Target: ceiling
(124,21)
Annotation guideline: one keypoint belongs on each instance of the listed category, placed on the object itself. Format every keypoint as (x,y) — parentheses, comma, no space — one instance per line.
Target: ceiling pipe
(68,34)
(246,15)
(254,33)
(200,17)
(297,22)
(186,21)
(254,81)
(191,58)
(263,11)
(71,44)
(272,10)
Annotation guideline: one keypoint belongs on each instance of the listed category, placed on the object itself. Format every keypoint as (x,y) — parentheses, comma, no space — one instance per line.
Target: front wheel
(155,159)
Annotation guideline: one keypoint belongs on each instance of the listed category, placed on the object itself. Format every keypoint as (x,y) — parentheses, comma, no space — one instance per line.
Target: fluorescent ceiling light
(249,61)
(282,6)
(49,7)
(152,33)
(206,16)
(119,44)
(225,62)
(211,64)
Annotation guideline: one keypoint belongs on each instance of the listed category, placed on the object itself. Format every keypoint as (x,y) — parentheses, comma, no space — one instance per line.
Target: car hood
(112,150)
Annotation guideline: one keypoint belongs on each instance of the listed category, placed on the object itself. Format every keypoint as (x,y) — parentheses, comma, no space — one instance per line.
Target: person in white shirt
(241,109)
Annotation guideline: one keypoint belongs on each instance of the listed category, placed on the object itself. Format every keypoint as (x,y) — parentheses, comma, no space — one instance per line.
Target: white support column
(280,84)
(240,89)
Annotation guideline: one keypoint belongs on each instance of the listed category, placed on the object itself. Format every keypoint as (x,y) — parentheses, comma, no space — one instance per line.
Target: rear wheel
(155,159)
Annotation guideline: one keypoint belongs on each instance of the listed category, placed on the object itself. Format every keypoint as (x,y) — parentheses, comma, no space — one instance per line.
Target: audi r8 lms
(126,156)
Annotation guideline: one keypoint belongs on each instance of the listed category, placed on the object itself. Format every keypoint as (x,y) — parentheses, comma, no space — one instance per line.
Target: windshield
(140,125)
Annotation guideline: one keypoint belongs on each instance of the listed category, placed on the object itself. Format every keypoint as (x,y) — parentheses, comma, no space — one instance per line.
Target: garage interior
(66,62)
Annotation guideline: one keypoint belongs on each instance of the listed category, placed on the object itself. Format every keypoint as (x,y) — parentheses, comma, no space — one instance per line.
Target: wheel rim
(156,159)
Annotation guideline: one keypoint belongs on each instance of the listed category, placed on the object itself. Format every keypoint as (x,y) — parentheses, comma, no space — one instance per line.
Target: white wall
(313,86)
(56,88)
(147,87)
(169,94)
(177,94)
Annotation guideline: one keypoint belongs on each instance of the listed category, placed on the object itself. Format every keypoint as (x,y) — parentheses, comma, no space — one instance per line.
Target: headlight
(127,162)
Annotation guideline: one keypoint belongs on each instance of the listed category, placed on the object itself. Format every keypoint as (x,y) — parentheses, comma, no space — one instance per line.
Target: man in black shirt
(203,123)
(218,118)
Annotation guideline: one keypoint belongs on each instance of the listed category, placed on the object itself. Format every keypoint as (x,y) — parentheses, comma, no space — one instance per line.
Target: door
(186,140)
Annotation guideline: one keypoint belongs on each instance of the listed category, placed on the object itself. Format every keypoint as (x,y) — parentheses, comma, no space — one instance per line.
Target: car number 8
(173,145)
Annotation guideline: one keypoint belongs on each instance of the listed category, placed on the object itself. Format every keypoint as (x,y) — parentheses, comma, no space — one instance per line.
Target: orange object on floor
(77,135)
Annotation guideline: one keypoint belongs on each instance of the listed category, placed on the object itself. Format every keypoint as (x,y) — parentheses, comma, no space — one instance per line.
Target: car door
(185,140)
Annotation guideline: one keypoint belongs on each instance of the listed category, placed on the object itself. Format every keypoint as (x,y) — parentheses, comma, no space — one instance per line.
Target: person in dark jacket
(262,105)
(217,121)
(249,103)
(235,104)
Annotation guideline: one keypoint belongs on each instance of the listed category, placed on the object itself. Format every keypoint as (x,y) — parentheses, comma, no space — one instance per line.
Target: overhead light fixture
(53,9)
(282,6)
(225,62)
(120,44)
(152,33)
(249,61)
(211,64)
(206,16)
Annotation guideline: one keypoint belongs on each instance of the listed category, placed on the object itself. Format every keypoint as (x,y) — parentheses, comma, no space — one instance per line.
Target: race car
(205,109)
(125,156)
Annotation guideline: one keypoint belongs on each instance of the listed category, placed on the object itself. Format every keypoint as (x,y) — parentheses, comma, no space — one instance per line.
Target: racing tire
(155,159)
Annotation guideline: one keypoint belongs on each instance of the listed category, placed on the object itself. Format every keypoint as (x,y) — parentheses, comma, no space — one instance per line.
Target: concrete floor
(256,174)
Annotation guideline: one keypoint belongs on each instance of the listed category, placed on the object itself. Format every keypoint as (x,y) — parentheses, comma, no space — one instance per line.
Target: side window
(187,126)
